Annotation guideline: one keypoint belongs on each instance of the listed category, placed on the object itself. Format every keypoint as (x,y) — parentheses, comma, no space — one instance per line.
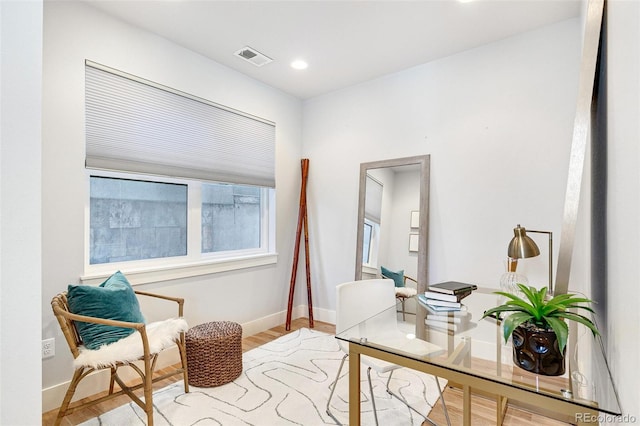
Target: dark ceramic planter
(536,350)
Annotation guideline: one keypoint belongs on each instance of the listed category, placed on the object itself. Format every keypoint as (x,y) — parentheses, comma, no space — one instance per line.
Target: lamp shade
(521,246)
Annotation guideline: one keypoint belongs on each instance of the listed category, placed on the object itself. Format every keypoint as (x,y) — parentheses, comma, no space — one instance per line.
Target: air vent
(251,55)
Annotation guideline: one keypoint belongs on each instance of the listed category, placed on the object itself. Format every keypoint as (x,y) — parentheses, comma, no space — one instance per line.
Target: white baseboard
(302,311)
(99,381)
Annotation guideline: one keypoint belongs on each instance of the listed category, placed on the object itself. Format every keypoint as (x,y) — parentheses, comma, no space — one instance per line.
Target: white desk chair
(357,301)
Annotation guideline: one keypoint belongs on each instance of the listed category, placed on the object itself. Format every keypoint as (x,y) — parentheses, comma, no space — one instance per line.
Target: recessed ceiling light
(299,64)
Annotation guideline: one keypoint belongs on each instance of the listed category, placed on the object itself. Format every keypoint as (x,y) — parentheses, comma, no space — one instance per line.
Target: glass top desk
(476,359)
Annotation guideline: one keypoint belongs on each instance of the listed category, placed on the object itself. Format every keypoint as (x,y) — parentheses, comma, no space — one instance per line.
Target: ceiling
(344,42)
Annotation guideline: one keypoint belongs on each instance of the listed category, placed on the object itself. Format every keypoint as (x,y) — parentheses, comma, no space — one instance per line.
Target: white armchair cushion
(161,335)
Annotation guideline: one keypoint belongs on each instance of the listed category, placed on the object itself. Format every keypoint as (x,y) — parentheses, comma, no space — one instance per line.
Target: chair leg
(403,311)
(148,391)
(77,376)
(333,388)
(183,359)
(389,381)
(444,406)
(404,401)
(112,380)
(373,400)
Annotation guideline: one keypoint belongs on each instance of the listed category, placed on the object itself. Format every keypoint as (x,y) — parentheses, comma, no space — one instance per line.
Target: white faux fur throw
(405,291)
(161,335)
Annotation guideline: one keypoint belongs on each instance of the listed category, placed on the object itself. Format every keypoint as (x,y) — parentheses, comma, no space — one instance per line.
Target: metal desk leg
(354,386)
(501,409)
(466,405)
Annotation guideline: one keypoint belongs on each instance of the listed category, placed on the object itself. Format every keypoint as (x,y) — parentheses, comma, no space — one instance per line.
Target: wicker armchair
(144,345)
(403,293)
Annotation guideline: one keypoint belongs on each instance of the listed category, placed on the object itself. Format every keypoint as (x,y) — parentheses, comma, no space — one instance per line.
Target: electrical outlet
(48,348)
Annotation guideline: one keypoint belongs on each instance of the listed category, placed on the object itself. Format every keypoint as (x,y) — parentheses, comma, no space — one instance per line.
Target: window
(136,220)
(366,244)
(372,215)
(230,217)
(370,243)
(175,181)
(138,223)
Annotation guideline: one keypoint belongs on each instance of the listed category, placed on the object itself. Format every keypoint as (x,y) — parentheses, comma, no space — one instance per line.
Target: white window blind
(137,126)
(373,200)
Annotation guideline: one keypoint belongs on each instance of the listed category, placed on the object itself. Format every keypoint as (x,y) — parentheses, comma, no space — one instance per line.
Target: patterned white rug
(285,382)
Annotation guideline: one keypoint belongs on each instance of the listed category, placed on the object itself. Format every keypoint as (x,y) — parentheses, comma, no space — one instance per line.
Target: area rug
(285,382)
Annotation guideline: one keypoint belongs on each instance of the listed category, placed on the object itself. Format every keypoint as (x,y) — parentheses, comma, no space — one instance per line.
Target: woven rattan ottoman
(214,353)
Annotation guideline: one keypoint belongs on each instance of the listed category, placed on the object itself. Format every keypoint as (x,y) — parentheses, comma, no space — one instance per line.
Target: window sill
(173,272)
(366,269)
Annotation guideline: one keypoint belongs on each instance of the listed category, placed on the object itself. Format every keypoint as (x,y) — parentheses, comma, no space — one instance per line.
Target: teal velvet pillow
(397,277)
(113,299)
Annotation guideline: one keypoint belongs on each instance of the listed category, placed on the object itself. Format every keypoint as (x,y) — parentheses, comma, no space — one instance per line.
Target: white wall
(406,198)
(497,122)
(623,244)
(400,195)
(20,277)
(74,32)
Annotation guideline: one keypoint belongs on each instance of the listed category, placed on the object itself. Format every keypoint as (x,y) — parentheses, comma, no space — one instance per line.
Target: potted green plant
(539,328)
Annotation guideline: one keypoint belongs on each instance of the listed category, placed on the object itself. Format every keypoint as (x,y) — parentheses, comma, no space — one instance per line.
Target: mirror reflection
(372,219)
(392,236)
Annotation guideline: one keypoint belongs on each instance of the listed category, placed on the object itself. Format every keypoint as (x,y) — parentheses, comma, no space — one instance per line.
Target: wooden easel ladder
(302,221)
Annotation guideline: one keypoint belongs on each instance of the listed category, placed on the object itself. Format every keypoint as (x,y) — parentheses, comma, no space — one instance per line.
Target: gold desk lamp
(522,246)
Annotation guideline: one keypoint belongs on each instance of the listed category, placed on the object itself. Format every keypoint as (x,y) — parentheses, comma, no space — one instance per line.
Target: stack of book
(444,307)
(451,320)
(448,294)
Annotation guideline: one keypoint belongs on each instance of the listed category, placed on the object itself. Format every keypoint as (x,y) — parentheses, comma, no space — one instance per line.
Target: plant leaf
(542,294)
(523,306)
(501,308)
(529,292)
(587,308)
(580,300)
(562,331)
(559,298)
(513,321)
(582,320)
(549,309)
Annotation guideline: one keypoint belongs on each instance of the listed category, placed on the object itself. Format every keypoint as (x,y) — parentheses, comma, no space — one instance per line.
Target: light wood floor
(483,412)
(483,409)
(248,343)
